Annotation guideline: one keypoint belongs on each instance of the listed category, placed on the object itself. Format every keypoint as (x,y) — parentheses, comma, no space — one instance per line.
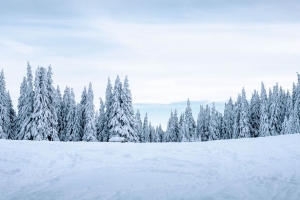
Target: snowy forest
(44,113)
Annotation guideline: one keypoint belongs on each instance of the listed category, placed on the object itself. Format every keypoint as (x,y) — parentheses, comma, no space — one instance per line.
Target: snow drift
(260,168)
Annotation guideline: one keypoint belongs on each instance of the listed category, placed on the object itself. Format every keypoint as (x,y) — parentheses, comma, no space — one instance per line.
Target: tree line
(46,114)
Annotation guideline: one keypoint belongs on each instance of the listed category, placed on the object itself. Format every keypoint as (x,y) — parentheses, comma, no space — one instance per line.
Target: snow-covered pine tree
(27,109)
(157,134)
(200,122)
(66,107)
(190,123)
(228,120)
(161,134)
(108,103)
(42,123)
(213,125)
(82,107)
(146,131)
(170,128)
(295,119)
(89,131)
(275,125)
(52,97)
(152,137)
(264,127)
(12,118)
(237,117)
(244,120)
(138,126)
(128,113)
(220,125)
(255,108)
(21,114)
(100,125)
(180,127)
(205,135)
(176,127)
(282,106)
(59,111)
(287,126)
(69,110)
(75,126)
(115,123)
(289,105)
(4,110)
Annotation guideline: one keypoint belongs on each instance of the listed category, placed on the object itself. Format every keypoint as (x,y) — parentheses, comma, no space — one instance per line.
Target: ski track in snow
(260,168)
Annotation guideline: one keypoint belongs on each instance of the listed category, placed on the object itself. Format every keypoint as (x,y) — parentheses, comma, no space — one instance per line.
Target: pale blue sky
(171,50)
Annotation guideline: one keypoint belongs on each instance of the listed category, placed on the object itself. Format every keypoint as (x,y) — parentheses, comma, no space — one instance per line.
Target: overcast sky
(171,50)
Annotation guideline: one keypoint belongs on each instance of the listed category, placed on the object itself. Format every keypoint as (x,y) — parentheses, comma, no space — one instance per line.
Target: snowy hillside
(260,168)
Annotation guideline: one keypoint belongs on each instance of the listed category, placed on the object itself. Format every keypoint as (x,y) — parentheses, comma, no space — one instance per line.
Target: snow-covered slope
(261,168)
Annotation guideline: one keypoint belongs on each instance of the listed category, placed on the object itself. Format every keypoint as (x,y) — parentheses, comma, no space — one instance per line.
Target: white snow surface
(260,168)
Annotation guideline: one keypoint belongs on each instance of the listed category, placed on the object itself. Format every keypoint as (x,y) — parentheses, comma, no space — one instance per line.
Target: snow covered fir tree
(43,113)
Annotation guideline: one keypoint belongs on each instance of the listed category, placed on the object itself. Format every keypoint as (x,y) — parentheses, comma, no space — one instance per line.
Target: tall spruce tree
(108,103)
(255,109)
(127,113)
(275,125)
(213,125)
(4,110)
(228,120)
(100,125)
(138,126)
(146,132)
(244,119)
(12,118)
(190,125)
(27,110)
(237,117)
(42,125)
(89,130)
(264,127)
(21,107)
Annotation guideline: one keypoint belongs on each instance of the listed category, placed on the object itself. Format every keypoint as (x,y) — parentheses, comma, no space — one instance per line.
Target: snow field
(260,168)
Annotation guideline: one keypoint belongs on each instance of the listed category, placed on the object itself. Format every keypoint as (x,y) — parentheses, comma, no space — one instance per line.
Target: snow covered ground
(260,168)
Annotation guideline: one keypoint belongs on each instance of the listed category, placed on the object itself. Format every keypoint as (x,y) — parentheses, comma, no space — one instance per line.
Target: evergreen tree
(138,126)
(100,125)
(108,103)
(12,119)
(146,131)
(228,120)
(275,125)
(264,128)
(255,109)
(75,126)
(213,125)
(89,131)
(71,125)
(42,125)
(170,129)
(205,135)
(161,134)
(200,122)
(59,111)
(116,117)
(189,123)
(128,113)
(244,120)
(51,95)
(82,111)
(4,110)
(21,101)
(27,108)
(237,117)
